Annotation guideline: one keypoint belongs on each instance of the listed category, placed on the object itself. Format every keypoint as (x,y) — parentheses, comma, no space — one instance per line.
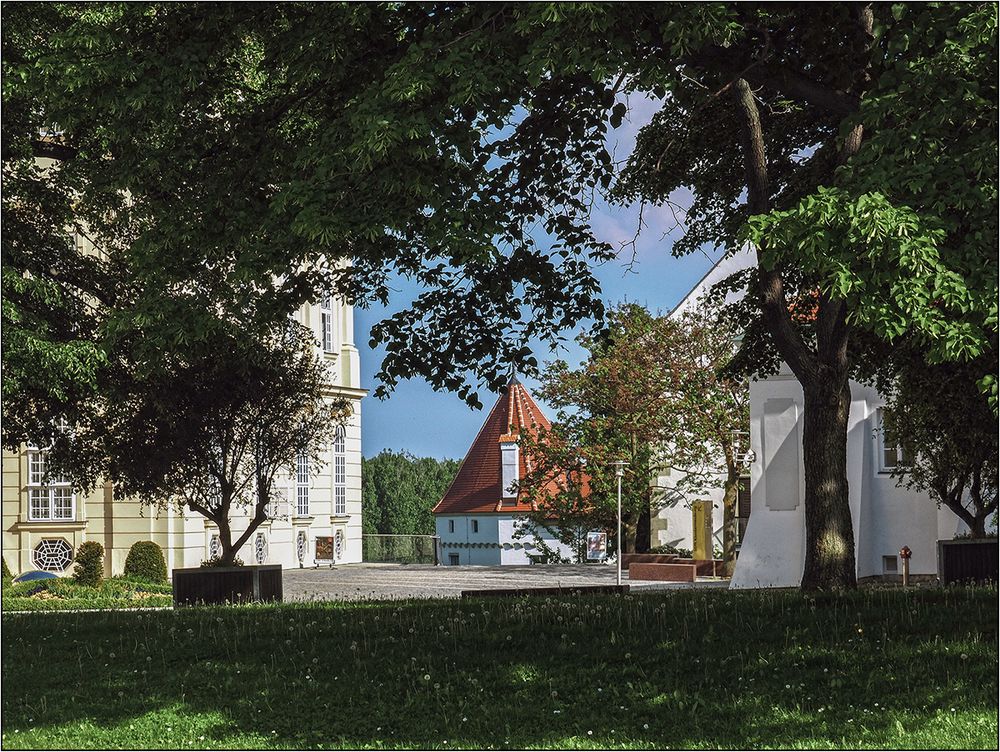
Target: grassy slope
(869,669)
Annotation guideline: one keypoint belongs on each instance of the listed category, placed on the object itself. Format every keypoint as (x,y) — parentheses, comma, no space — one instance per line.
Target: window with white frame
(892,453)
(339,473)
(326,321)
(50,496)
(302,485)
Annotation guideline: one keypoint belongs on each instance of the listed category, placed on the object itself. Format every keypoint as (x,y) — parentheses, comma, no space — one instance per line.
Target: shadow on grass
(684,669)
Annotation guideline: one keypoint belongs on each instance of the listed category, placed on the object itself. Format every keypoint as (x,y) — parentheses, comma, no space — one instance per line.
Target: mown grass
(63,593)
(878,668)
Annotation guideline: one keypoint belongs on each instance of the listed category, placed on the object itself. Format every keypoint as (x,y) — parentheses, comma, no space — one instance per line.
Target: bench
(663,572)
(538,559)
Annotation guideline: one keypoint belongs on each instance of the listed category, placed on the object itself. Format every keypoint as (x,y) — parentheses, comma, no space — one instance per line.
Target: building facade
(696,524)
(885,517)
(771,514)
(318,522)
(478,518)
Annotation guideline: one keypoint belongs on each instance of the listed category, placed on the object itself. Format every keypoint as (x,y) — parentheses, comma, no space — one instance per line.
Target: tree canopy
(249,152)
(398,492)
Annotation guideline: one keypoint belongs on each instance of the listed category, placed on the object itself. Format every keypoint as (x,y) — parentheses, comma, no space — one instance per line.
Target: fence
(400,549)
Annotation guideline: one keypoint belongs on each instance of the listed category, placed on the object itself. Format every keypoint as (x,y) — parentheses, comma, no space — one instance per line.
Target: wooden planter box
(967,560)
(211,585)
(629,559)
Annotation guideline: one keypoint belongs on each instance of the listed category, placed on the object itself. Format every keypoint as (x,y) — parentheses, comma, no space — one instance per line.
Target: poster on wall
(324,549)
(597,546)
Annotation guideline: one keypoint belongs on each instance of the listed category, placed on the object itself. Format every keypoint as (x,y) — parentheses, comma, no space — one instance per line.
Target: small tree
(946,421)
(652,394)
(213,434)
(711,412)
(614,407)
(89,569)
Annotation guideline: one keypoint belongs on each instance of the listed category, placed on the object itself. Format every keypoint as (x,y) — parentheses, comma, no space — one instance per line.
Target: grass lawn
(63,593)
(876,668)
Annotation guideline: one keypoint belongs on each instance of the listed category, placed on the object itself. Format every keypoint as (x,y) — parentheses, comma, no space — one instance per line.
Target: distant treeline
(399,490)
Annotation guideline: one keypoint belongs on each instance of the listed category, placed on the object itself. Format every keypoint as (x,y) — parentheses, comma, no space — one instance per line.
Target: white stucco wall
(885,517)
(493,545)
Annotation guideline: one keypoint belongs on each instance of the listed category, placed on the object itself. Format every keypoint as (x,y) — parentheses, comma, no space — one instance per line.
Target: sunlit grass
(688,669)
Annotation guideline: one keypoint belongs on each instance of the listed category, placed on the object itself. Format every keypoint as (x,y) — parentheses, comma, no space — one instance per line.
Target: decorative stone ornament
(52,555)
(300,547)
(260,548)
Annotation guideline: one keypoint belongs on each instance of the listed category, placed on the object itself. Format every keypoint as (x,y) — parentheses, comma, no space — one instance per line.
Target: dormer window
(509,469)
(326,321)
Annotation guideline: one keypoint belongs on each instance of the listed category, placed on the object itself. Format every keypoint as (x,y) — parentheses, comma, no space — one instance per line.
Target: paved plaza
(394,581)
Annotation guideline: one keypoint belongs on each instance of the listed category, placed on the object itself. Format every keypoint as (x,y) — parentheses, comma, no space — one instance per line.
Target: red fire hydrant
(905,554)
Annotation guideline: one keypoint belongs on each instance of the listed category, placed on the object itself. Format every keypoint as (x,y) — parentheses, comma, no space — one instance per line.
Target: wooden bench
(663,572)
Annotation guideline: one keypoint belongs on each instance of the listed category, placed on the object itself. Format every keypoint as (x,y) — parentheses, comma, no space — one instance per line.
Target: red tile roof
(476,489)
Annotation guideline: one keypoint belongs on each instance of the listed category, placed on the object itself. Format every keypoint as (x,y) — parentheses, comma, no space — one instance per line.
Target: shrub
(145,562)
(89,564)
(7,576)
(216,561)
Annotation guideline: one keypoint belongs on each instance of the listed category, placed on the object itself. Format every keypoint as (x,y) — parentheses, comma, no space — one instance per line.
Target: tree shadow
(679,669)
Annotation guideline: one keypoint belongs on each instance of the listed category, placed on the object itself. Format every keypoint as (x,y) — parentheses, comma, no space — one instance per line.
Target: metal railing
(400,549)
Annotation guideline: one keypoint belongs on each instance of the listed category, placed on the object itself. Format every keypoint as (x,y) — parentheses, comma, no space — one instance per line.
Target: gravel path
(393,581)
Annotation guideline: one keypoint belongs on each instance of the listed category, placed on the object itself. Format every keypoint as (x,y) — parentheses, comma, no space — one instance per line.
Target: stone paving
(395,581)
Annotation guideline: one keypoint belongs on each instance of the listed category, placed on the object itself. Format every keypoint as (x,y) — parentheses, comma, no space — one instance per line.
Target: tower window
(326,321)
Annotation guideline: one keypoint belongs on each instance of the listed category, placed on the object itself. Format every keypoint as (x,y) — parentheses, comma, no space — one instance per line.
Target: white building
(674,524)
(477,518)
(885,517)
(45,519)
(771,513)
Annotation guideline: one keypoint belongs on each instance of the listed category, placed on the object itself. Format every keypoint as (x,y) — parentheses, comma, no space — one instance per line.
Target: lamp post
(619,472)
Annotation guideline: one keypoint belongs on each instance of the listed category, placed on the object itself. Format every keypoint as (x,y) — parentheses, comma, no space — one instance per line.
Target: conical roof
(477,486)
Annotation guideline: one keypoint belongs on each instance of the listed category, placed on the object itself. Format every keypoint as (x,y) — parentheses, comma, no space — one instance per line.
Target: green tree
(614,407)
(711,412)
(945,421)
(210,434)
(211,144)
(399,491)
(651,393)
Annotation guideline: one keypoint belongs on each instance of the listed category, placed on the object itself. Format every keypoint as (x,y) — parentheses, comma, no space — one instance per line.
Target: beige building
(45,521)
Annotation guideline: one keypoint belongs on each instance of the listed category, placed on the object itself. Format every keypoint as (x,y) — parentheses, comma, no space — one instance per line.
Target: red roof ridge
(476,487)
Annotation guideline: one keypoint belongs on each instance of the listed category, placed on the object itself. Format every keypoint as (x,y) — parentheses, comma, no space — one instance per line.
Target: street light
(619,466)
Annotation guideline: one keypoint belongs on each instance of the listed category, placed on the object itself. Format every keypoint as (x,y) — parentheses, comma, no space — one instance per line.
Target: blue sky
(426,423)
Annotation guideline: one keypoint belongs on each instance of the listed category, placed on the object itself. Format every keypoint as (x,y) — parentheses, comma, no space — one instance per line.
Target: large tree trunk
(730,533)
(829,560)
(642,525)
(823,374)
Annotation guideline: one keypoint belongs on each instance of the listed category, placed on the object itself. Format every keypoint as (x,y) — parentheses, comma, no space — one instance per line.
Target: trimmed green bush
(7,576)
(145,562)
(89,564)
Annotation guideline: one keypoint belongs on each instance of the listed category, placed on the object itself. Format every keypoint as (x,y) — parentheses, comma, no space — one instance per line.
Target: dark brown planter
(967,560)
(557,591)
(212,585)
